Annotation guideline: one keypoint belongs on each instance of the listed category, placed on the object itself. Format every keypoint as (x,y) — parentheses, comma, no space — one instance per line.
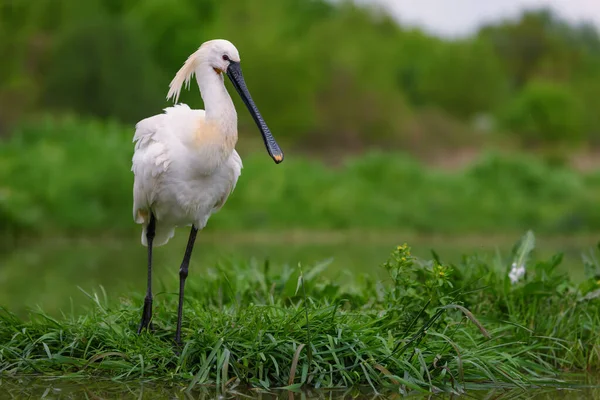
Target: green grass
(71,176)
(431,326)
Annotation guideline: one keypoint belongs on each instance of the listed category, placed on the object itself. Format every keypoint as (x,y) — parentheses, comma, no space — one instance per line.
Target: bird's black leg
(147,313)
(183,273)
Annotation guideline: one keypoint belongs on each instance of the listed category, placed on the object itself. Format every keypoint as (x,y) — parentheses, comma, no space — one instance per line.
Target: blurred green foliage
(74,175)
(546,113)
(332,73)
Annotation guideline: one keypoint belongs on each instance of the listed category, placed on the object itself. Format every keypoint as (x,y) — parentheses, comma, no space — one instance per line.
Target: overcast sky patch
(462,17)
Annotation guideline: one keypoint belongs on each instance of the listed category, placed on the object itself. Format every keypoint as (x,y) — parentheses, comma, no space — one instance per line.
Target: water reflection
(31,387)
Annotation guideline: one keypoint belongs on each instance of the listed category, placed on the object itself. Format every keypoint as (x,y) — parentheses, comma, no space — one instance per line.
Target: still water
(48,272)
(27,387)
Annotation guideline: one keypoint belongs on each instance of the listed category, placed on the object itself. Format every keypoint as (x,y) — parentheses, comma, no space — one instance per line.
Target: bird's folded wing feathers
(150,160)
(150,154)
(235,172)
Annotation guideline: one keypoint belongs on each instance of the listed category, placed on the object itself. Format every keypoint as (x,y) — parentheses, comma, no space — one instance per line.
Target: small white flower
(516,273)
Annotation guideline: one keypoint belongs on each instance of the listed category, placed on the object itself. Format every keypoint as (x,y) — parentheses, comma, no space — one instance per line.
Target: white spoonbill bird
(185,163)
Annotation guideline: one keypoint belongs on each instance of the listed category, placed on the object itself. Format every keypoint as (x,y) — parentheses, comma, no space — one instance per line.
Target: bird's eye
(225,57)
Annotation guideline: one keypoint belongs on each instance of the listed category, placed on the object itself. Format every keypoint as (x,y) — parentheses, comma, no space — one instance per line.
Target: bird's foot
(177,346)
(146,322)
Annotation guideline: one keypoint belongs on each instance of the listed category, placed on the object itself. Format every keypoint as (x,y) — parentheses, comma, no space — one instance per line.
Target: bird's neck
(218,106)
(216,135)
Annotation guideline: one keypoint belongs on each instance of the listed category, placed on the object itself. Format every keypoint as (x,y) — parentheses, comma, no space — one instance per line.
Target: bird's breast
(190,197)
(212,145)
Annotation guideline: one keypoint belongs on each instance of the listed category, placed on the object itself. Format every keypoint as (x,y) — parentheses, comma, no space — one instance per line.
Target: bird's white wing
(158,141)
(236,160)
(150,161)
(234,172)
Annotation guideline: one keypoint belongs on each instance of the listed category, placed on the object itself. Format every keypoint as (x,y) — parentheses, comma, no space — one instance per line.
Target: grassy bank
(72,176)
(429,326)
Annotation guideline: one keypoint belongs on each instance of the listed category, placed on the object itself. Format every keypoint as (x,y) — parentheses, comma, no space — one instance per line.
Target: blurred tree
(464,78)
(523,45)
(361,99)
(173,29)
(545,112)
(333,72)
(103,68)
(20,46)
(414,51)
(541,45)
(588,91)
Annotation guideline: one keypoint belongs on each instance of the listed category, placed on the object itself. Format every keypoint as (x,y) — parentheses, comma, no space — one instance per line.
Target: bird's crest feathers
(184,75)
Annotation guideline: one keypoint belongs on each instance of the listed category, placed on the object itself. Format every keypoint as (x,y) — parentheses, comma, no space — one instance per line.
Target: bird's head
(219,54)
(222,57)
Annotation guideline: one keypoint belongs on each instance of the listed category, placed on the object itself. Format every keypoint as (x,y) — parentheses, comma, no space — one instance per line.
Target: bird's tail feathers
(161,236)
